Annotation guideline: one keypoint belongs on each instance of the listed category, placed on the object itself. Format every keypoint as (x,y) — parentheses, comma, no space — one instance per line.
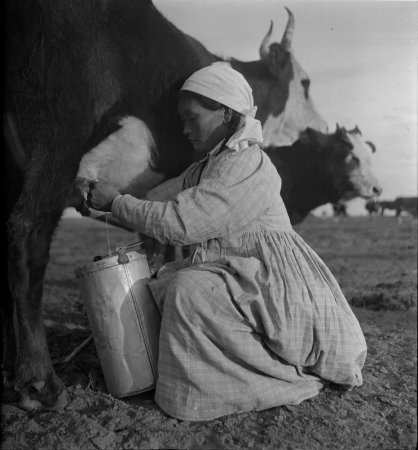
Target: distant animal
(339,209)
(324,168)
(76,74)
(406,204)
(372,207)
(386,204)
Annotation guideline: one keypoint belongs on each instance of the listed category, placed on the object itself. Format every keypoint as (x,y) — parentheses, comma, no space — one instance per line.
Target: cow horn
(265,44)
(288,32)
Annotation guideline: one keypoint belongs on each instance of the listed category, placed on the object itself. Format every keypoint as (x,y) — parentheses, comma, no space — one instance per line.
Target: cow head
(281,90)
(347,162)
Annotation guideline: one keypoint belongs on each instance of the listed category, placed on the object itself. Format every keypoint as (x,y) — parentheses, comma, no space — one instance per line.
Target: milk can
(124,319)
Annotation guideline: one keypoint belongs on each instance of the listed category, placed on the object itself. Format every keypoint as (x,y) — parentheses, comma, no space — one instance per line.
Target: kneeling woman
(253,319)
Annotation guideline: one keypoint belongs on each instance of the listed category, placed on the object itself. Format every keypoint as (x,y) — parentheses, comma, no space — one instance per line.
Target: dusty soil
(375,262)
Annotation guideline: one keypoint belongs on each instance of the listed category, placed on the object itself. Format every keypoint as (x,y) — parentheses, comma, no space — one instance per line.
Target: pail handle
(123,249)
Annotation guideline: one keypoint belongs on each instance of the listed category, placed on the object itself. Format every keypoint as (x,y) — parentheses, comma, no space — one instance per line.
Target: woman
(253,319)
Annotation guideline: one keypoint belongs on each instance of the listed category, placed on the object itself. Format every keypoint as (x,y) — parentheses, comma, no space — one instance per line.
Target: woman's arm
(167,190)
(238,191)
(101,194)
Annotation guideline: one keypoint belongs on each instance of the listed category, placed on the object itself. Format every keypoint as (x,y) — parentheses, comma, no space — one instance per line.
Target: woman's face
(203,127)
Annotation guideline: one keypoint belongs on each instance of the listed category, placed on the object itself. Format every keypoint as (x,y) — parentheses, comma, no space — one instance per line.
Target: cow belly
(123,160)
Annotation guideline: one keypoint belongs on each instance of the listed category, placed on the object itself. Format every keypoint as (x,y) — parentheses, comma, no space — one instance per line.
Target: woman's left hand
(101,196)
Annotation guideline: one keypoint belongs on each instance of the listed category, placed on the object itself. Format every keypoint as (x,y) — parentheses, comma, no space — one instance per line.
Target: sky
(361,57)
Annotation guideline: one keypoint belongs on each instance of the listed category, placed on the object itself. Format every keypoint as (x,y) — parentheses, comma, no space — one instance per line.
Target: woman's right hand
(101,195)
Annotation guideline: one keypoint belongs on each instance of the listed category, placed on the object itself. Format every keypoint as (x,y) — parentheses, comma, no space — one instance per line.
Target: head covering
(222,83)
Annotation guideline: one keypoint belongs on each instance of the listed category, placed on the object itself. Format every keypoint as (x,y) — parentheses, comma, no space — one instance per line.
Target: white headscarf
(220,82)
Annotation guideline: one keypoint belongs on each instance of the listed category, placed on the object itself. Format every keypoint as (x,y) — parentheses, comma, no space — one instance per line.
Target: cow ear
(372,146)
(356,130)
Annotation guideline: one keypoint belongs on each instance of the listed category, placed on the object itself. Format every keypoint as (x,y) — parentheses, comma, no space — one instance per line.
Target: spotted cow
(77,73)
(322,168)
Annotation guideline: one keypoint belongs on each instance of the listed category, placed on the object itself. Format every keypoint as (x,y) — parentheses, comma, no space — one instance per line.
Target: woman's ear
(227,115)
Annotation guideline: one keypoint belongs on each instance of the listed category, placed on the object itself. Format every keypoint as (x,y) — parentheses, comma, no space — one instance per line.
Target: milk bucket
(124,319)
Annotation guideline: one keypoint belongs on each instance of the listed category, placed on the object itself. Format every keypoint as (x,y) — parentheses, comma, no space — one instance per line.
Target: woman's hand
(101,196)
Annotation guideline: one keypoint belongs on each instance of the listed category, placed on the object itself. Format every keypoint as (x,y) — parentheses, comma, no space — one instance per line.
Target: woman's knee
(192,288)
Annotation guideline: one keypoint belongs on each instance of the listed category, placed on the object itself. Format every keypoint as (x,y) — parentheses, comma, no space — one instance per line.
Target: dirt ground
(375,262)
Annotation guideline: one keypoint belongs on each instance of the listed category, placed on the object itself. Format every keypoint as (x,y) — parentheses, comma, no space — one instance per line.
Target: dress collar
(250,132)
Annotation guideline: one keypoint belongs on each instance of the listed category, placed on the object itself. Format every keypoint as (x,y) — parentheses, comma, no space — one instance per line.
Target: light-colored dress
(253,319)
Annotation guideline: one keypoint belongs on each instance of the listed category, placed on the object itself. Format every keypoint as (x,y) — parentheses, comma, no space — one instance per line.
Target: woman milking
(253,319)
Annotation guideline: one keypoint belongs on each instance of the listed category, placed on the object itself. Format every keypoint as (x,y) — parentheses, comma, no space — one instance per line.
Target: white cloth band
(222,83)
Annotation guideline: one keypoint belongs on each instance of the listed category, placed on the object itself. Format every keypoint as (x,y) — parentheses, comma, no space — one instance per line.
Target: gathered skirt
(250,333)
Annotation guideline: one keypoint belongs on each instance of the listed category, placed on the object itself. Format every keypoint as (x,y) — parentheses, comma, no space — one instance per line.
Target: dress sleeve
(237,191)
(167,190)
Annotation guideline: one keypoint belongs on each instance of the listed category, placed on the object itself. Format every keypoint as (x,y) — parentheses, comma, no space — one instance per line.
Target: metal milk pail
(124,319)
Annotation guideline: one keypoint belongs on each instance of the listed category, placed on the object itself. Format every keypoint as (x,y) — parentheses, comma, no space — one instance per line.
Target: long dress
(253,319)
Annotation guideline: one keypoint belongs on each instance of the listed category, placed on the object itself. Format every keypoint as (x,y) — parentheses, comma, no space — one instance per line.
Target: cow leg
(28,257)
(12,184)
(30,230)
(9,341)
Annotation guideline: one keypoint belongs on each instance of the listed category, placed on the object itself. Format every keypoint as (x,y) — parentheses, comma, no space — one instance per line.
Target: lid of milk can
(123,255)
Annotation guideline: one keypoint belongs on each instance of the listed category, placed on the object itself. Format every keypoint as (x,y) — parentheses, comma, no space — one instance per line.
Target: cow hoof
(30,404)
(42,395)
(8,379)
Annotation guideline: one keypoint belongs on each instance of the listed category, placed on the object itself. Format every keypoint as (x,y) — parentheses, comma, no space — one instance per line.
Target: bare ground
(375,262)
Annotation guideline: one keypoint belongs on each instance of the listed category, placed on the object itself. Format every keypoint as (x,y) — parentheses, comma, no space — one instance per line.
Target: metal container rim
(106,262)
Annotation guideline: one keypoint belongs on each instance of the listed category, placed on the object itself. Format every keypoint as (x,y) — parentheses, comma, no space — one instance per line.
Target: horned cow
(324,168)
(76,74)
